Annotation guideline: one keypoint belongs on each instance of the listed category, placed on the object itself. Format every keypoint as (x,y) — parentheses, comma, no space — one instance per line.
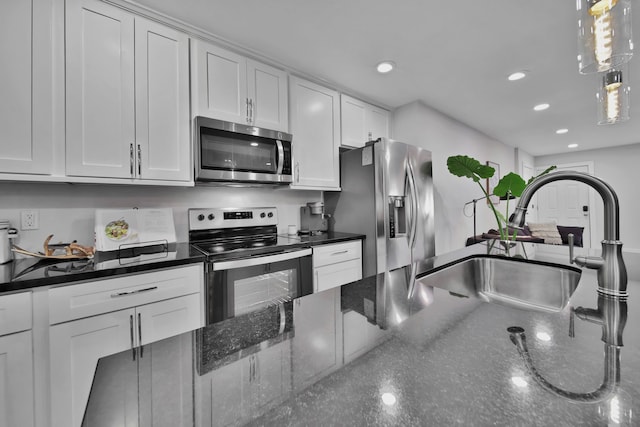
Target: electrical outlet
(30,220)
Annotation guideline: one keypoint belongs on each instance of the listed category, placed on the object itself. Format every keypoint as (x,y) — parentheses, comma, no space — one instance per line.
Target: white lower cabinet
(317,347)
(16,380)
(16,361)
(359,336)
(75,348)
(245,389)
(336,264)
(77,345)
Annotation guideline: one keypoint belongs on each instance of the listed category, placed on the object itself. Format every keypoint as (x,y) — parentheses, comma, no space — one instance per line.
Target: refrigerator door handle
(413,223)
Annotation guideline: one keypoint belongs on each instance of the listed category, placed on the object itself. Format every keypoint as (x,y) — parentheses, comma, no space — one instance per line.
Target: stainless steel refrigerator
(387,195)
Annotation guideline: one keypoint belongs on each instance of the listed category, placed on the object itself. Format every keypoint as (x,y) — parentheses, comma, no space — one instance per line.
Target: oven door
(245,285)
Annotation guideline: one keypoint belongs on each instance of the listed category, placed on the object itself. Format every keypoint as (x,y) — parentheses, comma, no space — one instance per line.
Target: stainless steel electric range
(249,266)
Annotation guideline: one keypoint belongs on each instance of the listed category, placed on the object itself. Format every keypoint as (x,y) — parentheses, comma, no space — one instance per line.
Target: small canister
(6,234)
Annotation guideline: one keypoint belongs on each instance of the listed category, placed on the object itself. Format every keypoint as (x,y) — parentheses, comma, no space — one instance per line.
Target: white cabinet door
(317,347)
(378,120)
(353,122)
(359,335)
(165,378)
(361,122)
(168,318)
(219,83)
(231,87)
(268,96)
(225,407)
(16,380)
(271,376)
(100,90)
(75,348)
(162,102)
(25,85)
(315,124)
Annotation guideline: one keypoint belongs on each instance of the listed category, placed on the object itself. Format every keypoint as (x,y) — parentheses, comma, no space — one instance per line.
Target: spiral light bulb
(603,31)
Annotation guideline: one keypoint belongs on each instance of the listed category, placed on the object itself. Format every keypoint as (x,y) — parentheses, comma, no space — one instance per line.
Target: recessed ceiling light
(572,145)
(541,107)
(543,336)
(516,76)
(562,131)
(385,66)
(519,382)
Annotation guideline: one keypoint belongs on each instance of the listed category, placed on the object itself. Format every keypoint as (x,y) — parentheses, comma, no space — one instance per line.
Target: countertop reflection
(453,362)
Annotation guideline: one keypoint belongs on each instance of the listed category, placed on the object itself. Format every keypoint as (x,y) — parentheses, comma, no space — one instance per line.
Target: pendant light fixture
(613,97)
(604,34)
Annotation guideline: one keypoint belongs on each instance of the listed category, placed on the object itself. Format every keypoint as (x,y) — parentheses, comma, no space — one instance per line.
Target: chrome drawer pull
(339,253)
(138,291)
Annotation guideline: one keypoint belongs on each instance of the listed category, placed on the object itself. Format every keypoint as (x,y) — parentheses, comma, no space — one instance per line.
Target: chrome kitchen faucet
(612,274)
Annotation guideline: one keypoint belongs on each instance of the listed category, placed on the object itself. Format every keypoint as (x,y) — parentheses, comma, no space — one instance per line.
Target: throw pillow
(547,231)
(576,231)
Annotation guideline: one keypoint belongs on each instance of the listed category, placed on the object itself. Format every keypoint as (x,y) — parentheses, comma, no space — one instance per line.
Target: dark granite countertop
(26,273)
(451,363)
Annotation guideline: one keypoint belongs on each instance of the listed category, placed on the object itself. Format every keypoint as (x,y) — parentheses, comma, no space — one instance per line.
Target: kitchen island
(453,362)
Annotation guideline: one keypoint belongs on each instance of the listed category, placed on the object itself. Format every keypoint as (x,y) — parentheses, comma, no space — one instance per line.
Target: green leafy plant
(511,184)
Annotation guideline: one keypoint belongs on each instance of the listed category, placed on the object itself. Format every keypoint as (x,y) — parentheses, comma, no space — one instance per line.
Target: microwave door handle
(280,162)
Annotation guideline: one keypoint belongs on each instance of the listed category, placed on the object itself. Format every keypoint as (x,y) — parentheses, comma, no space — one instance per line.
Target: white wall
(67,210)
(421,125)
(618,166)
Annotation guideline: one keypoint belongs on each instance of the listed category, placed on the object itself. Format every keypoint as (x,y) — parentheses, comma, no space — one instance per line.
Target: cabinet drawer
(339,252)
(92,298)
(15,313)
(338,274)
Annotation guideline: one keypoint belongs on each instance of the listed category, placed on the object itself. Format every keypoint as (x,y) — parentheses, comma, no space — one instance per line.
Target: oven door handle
(259,260)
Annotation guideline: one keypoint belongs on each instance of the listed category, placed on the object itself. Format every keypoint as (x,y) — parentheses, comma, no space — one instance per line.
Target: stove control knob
(270,215)
(211,217)
(200,217)
(262,215)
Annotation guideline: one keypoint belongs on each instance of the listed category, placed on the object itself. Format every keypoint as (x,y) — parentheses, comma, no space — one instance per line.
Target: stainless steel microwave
(235,153)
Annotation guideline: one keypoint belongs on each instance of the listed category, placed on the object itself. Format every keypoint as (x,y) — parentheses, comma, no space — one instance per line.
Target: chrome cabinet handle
(298,172)
(131,159)
(140,335)
(139,161)
(137,291)
(247,116)
(339,253)
(250,111)
(133,348)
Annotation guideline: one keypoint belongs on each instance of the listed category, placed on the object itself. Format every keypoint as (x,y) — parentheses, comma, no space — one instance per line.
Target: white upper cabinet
(362,122)
(162,102)
(25,84)
(127,87)
(315,124)
(230,87)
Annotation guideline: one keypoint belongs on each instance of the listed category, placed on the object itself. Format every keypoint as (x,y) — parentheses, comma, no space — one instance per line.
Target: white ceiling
(452,55)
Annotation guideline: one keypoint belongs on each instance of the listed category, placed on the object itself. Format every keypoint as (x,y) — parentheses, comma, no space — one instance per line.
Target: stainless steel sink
(527,284)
